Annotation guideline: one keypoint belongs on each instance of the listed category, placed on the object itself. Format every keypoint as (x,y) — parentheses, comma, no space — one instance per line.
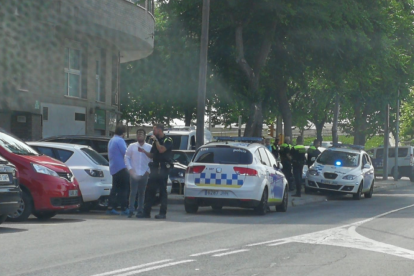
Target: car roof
(235,145)
(58,145)
(345,150)
(90,137)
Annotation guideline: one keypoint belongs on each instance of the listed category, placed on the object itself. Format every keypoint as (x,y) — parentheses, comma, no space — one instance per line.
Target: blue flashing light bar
(239,139)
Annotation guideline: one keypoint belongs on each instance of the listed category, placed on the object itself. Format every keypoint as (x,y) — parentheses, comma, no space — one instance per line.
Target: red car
(47,184)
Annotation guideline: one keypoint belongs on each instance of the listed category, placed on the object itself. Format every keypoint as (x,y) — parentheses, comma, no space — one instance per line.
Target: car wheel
(217,208)
(263,206)
(25,209)
(358,194)
(44,215)
(2,218)
(371,191)
(191,208)
(284,206)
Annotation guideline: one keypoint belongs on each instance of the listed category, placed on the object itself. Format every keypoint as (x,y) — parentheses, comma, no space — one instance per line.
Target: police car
(343,170)
(237,174)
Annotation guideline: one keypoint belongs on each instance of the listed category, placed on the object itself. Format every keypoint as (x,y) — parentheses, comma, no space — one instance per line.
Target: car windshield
(223,155)
(15,146)
(95,157)
(338,158)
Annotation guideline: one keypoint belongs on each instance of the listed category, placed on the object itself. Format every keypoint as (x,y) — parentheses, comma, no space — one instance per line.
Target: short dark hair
(141,130)
(159,126)
(120,129)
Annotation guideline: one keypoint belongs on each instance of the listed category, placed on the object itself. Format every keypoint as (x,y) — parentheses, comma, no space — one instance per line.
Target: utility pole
(386,143)
(202,77)
(397,137)
(240,123)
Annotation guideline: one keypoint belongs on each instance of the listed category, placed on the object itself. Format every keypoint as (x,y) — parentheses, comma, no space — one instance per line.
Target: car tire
(262,208)
(371,191)
(44,215)
(3,218)
(25,209)
(358,194)
(284,206)
(191,208)
(217,208)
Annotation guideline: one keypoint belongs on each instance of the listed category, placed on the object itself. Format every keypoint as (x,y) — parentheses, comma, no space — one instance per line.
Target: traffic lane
(104,243)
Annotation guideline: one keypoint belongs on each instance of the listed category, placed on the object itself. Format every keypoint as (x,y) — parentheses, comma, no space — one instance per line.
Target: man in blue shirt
(120,176)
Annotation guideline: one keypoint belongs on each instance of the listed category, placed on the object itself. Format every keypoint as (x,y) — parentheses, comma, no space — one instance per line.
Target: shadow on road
(4,229)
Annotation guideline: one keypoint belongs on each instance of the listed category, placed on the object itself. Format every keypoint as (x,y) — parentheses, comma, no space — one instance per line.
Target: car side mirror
(313,159)
(367,166)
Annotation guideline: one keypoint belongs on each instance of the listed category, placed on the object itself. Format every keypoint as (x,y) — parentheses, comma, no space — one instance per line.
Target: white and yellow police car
(343,170)
(236,174)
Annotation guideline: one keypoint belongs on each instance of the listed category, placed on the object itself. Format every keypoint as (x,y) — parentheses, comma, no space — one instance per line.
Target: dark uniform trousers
(287,171)
(297,174)
(120,190)
(157,182)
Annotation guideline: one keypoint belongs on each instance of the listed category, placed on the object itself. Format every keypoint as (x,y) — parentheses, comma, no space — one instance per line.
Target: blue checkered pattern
(220,179)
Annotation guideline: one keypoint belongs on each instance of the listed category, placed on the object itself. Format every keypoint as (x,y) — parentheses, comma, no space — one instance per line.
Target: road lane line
(279,243)
(154,268)
(231,252)
(208,252)
(131,268)
(266,242)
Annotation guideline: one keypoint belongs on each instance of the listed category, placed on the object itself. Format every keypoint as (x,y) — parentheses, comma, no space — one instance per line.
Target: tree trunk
(335,121)
(188,116)
(254,125)
(319,129)
(284,109)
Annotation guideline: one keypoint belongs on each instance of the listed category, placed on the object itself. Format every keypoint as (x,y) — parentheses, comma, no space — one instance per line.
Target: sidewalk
(380,185)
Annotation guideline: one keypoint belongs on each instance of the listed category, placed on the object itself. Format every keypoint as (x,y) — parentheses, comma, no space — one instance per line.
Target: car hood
(48,162)
(335,169)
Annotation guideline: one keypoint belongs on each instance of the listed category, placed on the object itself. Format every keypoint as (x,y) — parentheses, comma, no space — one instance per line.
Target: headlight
(94,173)
(349,177)
(313,172)
(43,170)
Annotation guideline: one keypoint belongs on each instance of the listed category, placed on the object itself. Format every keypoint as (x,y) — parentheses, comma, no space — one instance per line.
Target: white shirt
(137,160)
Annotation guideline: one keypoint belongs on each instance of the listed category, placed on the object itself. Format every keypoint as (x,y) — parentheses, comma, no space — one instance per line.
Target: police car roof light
(238,139)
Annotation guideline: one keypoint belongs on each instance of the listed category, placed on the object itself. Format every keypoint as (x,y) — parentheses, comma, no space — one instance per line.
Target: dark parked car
(98,143)
(10,193)
(181,159)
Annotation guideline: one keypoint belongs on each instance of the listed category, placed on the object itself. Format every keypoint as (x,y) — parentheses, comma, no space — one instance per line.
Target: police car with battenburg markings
(344,170)
(237,174)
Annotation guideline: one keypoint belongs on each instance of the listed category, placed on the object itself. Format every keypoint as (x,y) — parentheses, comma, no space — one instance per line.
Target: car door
(367,172)
(276,183)
(268,167)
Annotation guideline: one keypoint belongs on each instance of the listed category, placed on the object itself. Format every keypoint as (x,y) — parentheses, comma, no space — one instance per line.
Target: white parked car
(342,170)
(89,167)
(236,174)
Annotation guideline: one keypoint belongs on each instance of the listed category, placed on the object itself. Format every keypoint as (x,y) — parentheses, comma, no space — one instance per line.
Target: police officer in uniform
(285,158)
(159,168)
(298,161)
(275,149)
(313,152)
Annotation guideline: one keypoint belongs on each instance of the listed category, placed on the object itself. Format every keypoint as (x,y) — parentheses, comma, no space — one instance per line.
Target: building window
(115,79)
(98,81)
(45,113)
(80,117)
(72,72)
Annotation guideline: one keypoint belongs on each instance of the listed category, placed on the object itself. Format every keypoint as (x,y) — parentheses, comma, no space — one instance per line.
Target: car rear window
(223,155)
(95,157)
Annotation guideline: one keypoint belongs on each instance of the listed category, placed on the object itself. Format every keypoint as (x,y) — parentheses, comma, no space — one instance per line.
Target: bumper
(345,186)
(93,191)
(246,193)
(205,201)
(9,200)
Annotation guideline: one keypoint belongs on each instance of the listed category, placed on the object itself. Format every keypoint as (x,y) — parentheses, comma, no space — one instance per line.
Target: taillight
(195,169)
(245,171)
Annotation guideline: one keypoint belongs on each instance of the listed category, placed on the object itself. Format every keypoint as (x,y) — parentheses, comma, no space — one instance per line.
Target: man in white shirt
(137,165)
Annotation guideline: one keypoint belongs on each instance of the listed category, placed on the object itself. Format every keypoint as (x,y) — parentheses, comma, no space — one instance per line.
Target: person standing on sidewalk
(285,158)
(313,152)
(120,177)
(137,165)
(161,154)
(275,149)
(298,161)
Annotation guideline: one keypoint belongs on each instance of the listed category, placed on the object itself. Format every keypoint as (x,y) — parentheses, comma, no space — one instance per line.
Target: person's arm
(149,154)
(122,146)
(127,159)
(162,148)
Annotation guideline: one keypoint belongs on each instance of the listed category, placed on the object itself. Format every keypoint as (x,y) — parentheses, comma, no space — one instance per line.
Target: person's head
(299,140)
(276,141)
(120,130)
(287,139)
(141,135)
(316,143)
(158,130)
(267,141)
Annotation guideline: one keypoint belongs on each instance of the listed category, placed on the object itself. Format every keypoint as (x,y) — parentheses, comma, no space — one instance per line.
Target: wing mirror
(367,166)
(313,159)
(279,166)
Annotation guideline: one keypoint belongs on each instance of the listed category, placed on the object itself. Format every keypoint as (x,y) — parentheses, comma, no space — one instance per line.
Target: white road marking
(208,252)
(231,252)
(131,268)
(155,267)
(279,243)
(266,242)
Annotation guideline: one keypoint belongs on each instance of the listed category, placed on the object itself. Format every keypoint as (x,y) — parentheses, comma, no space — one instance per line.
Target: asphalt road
(336,237)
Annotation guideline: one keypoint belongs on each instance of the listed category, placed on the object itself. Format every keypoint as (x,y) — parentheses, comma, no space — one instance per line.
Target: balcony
(127,24)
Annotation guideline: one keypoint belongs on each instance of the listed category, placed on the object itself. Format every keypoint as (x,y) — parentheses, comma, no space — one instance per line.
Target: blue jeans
(137,186)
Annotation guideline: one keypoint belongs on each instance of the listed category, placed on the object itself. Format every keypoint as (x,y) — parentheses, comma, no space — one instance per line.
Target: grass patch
(374,142)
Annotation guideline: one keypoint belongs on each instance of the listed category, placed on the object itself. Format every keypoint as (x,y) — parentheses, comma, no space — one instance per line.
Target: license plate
(4,178)
(73,192)
(216,193)
(323,181)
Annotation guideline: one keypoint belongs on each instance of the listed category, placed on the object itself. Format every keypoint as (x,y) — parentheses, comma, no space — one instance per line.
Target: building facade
(60,63)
